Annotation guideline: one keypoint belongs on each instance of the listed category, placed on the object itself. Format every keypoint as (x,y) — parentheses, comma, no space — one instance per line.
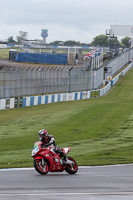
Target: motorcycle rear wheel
(71,169)
(41,169)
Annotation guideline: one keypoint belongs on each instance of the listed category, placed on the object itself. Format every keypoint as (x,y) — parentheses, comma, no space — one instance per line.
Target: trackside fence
(34,81)
(9,103)
(117,63)
(116,79)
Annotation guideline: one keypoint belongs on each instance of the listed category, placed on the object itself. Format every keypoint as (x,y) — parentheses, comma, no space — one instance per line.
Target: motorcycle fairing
(66,150)
(53,158)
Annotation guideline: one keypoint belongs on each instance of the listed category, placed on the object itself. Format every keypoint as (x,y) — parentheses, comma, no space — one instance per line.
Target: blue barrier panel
(24,102)
(46,99)
(112,83)
(31,101)
(53,97)
(59,97)
(10,45)
(54,46)
(76,96)
(81,95)
(85,47)
(39,100)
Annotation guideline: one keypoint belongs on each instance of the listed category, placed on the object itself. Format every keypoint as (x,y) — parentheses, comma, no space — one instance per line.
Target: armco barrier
(45,99)
(115,80)
(52,98)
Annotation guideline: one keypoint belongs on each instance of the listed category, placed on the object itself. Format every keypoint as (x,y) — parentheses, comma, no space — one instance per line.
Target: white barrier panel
(56,98)
(27,101)
(50,99)
(101,92)
(86,95)
(104,90)
(78,96)
(36,100)
(116,79)
(61,98)
(12,101)
(71,96)
(42,100)
(2,104)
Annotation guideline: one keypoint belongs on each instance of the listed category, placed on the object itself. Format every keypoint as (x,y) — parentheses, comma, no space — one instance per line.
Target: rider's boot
(64,158)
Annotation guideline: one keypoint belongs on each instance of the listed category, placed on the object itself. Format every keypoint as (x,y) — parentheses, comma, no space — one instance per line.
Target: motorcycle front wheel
(71,168)
(41,168)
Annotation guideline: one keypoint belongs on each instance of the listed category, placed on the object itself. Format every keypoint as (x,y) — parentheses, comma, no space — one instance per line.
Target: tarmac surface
(93,183)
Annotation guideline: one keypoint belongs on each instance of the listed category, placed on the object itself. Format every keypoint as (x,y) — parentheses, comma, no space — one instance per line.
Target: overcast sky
(79,20)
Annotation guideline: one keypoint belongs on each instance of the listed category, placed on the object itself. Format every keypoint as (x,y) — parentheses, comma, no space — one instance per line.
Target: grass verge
(99,131)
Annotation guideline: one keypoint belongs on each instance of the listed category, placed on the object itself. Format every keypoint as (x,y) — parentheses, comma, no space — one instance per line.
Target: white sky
(79,20)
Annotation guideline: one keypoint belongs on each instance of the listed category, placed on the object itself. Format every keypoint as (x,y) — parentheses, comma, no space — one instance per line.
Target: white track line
(31,168)
(64,193)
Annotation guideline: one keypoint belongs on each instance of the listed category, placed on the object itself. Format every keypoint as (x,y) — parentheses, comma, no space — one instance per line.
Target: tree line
(100,40)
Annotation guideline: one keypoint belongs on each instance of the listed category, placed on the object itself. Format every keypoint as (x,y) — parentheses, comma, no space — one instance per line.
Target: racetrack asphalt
(93,183)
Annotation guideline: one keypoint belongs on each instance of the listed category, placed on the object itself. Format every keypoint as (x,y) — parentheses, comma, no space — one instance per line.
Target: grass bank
(99,131)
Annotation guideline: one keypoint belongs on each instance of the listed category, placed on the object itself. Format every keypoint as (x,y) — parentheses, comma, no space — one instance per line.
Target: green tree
(66,43)
(10,39)
(101,40)
(125,42)
(71,43)
(3,42)
(55,43)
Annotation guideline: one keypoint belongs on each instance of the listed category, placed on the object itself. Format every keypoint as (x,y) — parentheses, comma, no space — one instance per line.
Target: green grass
(4,53)
(99,131)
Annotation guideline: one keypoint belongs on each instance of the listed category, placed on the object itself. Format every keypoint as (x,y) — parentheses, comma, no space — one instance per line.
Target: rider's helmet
(43,134)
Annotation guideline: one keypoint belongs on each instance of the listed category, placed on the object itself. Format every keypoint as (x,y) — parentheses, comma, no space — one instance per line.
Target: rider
(49,141)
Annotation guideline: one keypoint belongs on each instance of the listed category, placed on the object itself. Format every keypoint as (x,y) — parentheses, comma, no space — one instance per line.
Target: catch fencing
(25,81)
(113,66)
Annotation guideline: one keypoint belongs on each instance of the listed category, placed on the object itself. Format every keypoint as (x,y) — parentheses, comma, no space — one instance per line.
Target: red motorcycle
(47,159)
